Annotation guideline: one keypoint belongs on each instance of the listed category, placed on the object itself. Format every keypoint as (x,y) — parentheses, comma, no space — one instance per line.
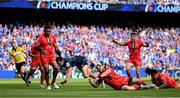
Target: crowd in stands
(142,2)
(94,42)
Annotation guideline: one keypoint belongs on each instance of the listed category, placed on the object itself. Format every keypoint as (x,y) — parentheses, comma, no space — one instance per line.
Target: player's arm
(145,44)
(37,46)
(58,52)
(118,43)
(68,73)
(11,57)
(31,53)
(105,73)
(164,83)
(25,53)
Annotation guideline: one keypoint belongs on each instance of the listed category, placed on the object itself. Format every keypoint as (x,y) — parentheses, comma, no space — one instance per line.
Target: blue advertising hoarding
(7,74)
(78,74)
(88,6)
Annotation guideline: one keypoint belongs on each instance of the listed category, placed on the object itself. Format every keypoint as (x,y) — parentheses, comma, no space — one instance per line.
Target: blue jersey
(77,61)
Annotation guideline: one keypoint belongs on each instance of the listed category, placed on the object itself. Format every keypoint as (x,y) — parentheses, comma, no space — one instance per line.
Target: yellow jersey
(17,55)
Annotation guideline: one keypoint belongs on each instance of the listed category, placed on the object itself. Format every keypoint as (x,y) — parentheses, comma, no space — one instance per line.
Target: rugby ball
(93,82)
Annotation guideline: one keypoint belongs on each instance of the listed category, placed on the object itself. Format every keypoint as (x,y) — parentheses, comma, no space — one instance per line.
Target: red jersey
(161,78)
(47,43)
(34,51)
(114,80)
(36,61)
(134,48)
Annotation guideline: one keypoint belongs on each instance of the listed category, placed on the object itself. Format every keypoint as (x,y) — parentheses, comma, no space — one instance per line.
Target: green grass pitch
(77,88)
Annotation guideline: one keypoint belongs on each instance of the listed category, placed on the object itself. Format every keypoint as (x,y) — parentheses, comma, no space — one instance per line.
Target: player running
(16,55)
(36,63)
(47,46)
(134,46)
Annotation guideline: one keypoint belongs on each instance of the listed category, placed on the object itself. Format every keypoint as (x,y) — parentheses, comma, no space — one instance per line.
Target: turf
(76,88)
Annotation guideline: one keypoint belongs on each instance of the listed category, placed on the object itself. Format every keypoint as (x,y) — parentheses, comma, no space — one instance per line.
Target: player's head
(36,38)
(151,71)
(100,68)
(59,60)
(13,44)
(47,30)
(133,36)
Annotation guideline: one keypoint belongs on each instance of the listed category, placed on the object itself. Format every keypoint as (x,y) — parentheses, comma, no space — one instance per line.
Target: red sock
(143,83)
(136,87)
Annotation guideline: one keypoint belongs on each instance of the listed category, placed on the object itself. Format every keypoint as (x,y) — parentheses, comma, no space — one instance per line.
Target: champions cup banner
(88,6)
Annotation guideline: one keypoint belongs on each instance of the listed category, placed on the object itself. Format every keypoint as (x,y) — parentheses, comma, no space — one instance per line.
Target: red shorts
(35,63)
(119,83)
(136,61)
(46,59)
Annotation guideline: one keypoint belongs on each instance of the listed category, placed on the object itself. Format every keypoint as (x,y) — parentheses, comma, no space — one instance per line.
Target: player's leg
(46,70)
(89,71)
(138,81)
(176,79)
(137,64)
(138,68)
(128,66)
(42,75)
(20,69)
(126,87)
(178,85)
(27,77)
(86,71)
(33,68)
(55,72)
(45,64)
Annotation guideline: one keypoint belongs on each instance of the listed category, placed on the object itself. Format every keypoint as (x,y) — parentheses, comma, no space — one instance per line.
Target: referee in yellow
(17,56)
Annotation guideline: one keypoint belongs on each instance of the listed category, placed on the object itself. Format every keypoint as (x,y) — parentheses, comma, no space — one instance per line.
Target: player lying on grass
(66,65)
(162,80)
(118,82)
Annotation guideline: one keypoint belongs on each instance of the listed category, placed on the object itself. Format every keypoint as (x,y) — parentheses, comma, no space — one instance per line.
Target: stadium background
(21,21)
(161,30)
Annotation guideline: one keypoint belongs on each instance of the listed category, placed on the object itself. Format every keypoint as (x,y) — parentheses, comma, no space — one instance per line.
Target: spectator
(92,40)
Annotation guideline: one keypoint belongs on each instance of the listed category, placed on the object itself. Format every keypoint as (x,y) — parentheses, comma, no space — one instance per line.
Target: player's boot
(151,85)
(55,85)
(176,79)
(26,79)
(42,86)
(144,87)
(48,87)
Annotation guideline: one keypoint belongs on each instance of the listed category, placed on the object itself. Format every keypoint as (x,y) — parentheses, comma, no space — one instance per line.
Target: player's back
(114,80)
(165,78)
(75,60)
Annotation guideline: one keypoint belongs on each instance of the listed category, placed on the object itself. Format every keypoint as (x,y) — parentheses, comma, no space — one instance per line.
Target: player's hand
(44,52)
(156,87)
(64,82)
(114,41)
(36,56)
(99,80)
(146,44)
